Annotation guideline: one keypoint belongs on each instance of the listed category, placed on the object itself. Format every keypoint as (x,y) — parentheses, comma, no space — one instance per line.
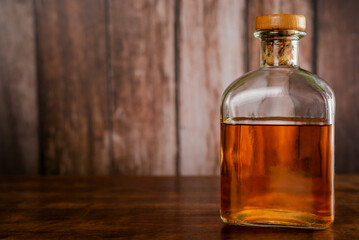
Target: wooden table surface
(144,208)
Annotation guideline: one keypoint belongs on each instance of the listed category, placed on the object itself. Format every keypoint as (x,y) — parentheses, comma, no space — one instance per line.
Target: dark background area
(133,87)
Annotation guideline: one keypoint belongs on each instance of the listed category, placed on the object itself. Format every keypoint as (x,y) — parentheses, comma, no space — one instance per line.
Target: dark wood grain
(211,55)
(261,7)
(338,58)
(143,86)
(73,86)
(144,208)
(133,87)
(18,89)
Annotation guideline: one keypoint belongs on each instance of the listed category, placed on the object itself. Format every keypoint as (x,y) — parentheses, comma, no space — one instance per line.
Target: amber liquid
(277,174)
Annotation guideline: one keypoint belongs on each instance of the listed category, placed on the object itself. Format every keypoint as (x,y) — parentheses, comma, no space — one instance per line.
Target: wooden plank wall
(337,63)
(133,87)
(210,57)
(72,71)
(143,89)
(19,150)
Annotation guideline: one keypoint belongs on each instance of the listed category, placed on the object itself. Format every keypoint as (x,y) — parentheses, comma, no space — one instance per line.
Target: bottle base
(278,218)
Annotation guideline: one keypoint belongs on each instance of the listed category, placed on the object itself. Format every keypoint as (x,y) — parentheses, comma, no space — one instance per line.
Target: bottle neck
(279,52)
(279,48)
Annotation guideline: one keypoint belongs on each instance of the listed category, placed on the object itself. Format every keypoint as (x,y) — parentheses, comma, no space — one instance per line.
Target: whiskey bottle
(277,137)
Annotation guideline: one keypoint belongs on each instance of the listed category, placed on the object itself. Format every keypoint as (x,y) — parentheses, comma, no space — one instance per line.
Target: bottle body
(277,149)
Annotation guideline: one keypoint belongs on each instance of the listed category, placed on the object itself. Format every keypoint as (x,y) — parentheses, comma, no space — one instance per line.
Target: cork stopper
(280,22)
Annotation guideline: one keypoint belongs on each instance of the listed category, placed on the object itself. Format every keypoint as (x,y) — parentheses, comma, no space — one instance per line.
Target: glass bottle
(277,137)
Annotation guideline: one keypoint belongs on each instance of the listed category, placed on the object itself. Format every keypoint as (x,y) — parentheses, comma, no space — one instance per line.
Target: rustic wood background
(133,87)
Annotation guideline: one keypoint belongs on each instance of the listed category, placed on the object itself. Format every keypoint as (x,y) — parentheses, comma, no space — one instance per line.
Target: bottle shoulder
(315,80)
(299,79)
(278,91)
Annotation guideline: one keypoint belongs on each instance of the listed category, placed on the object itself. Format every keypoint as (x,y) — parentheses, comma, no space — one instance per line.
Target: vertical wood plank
(338,57)
(72,78)
(18,89)
(212,54)
(143,83)
(261,7)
